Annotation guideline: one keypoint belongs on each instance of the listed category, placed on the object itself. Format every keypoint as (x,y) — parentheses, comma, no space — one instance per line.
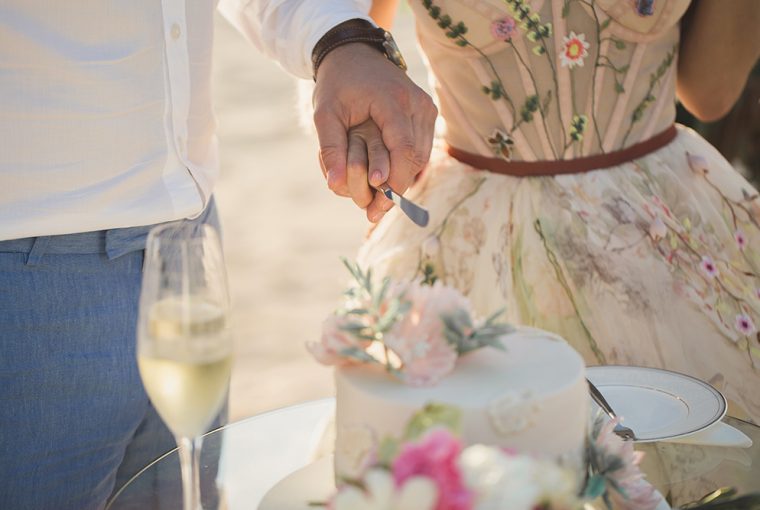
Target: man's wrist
(356,31)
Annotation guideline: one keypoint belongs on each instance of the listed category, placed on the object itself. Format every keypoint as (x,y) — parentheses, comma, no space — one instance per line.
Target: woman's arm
(720,43)
(383,12)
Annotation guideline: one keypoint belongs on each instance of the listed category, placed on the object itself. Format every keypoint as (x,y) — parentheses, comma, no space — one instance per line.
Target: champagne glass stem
(189,459)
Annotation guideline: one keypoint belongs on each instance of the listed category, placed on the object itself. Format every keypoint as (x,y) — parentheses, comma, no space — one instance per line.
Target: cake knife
(622,431)
(415,213)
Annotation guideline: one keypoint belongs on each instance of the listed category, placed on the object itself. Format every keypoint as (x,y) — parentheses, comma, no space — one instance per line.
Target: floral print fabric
(655,262)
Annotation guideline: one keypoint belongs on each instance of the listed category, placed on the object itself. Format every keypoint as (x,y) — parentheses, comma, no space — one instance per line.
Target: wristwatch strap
(357,30)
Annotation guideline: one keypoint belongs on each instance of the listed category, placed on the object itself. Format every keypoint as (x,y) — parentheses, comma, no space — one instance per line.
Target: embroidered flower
(744,325)
(741,239)
(577,127)
(574,51)
(501,143)
(644,7)
(698,164)
(503,29)
(709,267)
(657,229)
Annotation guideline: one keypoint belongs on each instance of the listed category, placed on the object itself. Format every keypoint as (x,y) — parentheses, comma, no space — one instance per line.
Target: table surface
(243,460)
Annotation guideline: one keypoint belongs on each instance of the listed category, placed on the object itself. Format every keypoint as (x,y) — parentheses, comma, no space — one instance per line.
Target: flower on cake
(518,482)
(334,341)
(429,469)
(380,492)
(435,457)
(416,329)
(613,462)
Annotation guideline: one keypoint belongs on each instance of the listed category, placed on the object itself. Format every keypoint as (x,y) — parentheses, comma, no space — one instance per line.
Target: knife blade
(415,213)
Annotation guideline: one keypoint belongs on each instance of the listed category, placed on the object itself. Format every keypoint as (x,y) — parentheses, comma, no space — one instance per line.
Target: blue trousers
(75,422)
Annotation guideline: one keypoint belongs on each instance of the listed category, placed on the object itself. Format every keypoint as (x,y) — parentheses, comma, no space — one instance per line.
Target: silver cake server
(622,431)
(415,213)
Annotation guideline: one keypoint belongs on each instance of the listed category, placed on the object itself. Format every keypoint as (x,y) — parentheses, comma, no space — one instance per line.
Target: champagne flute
(184,344)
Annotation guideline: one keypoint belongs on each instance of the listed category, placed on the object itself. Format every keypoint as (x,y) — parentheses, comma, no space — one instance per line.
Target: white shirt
(106,118)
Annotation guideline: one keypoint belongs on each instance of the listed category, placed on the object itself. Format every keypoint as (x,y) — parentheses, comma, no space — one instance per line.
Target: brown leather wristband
(356,30)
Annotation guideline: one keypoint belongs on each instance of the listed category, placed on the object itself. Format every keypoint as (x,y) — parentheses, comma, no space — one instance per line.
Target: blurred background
(285,232)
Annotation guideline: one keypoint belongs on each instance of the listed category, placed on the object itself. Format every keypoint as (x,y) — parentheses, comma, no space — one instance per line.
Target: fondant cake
(437,409)
(513,398)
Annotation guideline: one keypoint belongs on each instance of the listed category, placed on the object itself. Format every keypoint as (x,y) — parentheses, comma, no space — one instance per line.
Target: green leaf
(566,8)
(387,451)
(444,21)
(619,87)
(605,24)
(619,44)
(357,354)
(433,415)
(353,327)
(390,316)
(595,487)
(380,296)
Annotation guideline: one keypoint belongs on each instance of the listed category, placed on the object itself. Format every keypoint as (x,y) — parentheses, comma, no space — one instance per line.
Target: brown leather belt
(565,166)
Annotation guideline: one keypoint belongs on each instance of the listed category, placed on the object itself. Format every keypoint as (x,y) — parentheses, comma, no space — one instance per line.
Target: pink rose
(435,457)
(639,494)
(419,339)
(334,341)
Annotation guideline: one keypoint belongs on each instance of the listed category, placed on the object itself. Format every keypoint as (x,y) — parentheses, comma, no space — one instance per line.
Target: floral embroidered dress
(655,261)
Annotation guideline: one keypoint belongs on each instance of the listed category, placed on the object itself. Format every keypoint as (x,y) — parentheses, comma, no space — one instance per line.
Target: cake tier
(532,397)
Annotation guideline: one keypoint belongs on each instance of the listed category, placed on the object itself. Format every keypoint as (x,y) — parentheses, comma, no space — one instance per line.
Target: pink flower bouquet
(417,330)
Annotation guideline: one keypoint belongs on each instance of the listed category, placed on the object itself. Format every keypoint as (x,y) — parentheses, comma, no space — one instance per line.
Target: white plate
(658,404)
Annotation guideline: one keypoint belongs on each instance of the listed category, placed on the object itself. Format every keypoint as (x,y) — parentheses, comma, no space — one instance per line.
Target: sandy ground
(284,231)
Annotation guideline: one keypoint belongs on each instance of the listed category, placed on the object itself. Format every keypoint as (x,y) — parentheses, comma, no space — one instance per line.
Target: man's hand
(356,84)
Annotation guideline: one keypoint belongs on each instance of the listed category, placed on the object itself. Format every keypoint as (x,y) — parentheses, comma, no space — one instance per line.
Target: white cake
(532,397)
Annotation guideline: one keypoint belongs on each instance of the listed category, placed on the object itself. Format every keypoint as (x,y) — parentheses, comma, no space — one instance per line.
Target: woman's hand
(368,161)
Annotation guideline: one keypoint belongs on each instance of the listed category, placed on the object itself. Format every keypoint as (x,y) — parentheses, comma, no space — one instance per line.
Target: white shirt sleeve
(288,30)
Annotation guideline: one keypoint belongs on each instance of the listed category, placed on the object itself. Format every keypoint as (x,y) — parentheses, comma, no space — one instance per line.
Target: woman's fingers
(357,167)
(379,169)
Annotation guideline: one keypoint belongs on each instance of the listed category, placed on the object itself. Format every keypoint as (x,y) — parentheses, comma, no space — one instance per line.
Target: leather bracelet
(357,30)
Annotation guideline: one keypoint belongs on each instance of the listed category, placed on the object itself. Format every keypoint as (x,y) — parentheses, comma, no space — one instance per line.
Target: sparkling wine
(185,366)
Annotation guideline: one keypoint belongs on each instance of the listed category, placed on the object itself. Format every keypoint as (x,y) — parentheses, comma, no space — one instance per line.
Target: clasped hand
(374,125)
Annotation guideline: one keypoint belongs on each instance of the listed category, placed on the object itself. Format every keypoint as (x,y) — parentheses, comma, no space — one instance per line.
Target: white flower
(355,451)
(418,493)
(517,482)
(574,51)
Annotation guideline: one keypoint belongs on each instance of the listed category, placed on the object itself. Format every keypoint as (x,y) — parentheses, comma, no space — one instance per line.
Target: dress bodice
(551,79)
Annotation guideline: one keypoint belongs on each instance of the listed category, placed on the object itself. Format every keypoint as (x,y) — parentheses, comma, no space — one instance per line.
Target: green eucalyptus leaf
(387,451)
(357,354)
(595,487)
(433,415)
